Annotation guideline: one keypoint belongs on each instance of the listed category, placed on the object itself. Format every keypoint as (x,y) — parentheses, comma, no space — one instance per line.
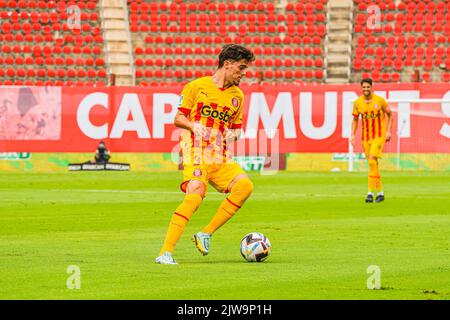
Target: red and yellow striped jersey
(373,116)
(215,108)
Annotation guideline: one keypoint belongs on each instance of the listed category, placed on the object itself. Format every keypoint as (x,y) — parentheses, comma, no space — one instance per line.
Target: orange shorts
(374,148)
(218,175)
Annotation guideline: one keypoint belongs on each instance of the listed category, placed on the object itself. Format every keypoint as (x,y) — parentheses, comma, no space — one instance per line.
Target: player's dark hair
(366,80)
(235,52)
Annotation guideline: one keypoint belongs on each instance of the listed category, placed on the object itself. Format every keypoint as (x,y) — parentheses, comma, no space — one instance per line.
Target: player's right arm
(182,120)
(355,115)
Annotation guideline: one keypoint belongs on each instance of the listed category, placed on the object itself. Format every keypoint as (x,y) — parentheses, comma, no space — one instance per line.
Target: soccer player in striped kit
(376,118)
(210,111)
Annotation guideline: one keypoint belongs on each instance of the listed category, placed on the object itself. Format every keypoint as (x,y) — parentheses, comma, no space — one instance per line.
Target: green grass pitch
(324,237)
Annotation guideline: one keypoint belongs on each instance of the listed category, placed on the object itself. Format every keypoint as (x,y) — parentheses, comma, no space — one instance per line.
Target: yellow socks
(180,219)
(240,191)
(378,184)
(374,179)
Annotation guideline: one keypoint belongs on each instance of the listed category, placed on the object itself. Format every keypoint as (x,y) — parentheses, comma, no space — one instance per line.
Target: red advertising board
(305,118)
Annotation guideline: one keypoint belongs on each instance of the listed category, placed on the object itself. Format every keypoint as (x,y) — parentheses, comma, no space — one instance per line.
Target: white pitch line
(217,193)
(119,191)
(214,193)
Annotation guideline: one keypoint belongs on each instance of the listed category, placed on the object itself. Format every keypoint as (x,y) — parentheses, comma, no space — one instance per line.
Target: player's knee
(244,187)
(373,164)
(196,187)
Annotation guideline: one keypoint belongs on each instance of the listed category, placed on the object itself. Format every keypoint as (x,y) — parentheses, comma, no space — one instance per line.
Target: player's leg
(379,187)
(375,184)
(231,178)
(376,152)
(370,180)
(240,189)
(374,175)
(195,192)
(375,178)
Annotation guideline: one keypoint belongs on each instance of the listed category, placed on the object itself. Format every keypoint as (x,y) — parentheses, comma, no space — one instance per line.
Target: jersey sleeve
(237,123)
(187,99)
(355,112)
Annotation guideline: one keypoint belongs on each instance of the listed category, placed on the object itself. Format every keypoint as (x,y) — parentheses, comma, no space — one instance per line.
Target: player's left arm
(389,121)
(234,132)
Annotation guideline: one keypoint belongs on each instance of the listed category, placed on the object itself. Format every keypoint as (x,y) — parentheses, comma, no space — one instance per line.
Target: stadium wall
(308,123)
(157,162)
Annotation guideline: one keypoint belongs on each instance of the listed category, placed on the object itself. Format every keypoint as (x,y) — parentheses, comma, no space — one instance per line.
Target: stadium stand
(173,43)
(40,45)
(410,43)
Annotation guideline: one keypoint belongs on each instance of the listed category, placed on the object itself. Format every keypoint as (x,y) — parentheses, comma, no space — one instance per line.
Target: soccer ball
(255,247)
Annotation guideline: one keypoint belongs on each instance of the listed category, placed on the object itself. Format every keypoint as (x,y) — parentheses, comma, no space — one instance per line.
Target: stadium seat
(411,33)
(33,43)
(385,77)
(395,77)
(446,77)
(259,25)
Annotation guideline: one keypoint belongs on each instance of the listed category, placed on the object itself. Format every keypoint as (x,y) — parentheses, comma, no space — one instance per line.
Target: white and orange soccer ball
(255,247)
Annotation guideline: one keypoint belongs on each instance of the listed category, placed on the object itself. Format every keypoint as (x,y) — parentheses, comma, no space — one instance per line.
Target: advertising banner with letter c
(305,118)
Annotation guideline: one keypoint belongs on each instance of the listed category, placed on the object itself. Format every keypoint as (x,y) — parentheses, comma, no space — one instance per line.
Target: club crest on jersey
(235,102)
(375,106)
(198,173)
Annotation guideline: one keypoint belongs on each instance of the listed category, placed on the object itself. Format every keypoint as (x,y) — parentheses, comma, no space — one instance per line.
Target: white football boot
(201,241)
(165,258)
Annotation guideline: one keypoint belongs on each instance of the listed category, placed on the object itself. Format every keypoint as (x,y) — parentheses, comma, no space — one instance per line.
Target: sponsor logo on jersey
(235,102)
(207,111)
(371,115)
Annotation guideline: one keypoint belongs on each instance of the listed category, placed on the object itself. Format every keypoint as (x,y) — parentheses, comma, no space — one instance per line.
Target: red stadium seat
(446,77)
(367,64)
(268,74)
(318,74)
(357,64)
(395,77)
(426,77)
(418,62)
(387,62)
(253,22)
(428,64)
(288,63)
(386,77)
(376,75)
(318,62)
(378,64)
